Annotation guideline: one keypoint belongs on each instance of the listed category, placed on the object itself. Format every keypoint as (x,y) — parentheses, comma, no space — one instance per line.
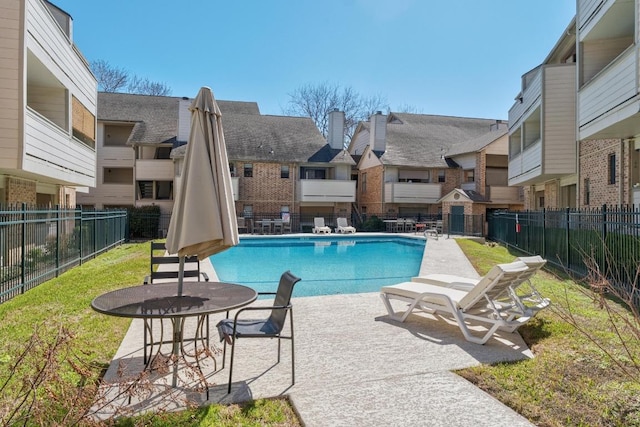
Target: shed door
(457,220)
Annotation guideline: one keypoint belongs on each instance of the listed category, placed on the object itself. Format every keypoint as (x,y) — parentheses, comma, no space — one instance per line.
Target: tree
(115,79)
(317,101)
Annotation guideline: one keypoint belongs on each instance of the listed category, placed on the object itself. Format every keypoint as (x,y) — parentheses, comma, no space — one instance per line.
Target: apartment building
(608,97)
(406,164)
(48,100)
(483,165)
(278,164)
(542,130)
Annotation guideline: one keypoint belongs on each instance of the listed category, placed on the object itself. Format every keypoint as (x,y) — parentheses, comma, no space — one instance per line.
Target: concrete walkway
(354,366)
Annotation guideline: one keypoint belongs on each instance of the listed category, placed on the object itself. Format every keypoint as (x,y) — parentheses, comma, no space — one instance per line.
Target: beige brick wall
(594,166)
(481,173)
(19,191)
(551,194)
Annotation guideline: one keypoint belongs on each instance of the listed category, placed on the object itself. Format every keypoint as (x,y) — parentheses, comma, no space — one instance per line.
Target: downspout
(622,174)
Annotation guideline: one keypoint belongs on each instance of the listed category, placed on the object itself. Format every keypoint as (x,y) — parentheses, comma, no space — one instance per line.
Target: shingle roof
(274,138)
(155,117)
(476,144)
(421,140)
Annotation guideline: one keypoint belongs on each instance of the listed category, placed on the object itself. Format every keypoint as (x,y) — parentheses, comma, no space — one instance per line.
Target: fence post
(23,243)
(544,233)
(567,245)
(80,235)
(57,240)
(604,222)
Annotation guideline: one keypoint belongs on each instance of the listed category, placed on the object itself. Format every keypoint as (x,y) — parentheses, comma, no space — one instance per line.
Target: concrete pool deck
(354,366)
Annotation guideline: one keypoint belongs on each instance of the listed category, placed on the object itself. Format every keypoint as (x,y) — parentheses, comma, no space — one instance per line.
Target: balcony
(326,190)
(51,151)
(154,170)
(504,194)
(609,102)
(412,192)
(526,167)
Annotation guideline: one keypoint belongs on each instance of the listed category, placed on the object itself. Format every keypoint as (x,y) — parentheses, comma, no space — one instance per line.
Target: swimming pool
(327,264)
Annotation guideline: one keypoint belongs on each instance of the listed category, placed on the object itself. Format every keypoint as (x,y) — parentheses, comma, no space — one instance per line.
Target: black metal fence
(39,244)
(571,239)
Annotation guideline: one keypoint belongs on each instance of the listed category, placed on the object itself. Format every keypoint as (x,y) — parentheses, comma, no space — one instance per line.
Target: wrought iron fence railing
(574,239)
(37,244)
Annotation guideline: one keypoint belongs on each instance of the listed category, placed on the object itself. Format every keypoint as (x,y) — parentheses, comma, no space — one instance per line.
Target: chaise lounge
(344,227)
(319,227)
(489,302)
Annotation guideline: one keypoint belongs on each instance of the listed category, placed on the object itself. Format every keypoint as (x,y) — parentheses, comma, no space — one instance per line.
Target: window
(232,169)
(469,175)
(364,182)
(587,191)
(163,153)
(612,169)
(441,175)
(248,170)
(284,171)
(247,211)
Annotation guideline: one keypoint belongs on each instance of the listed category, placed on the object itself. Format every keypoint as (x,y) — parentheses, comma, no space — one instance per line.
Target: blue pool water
(327,265)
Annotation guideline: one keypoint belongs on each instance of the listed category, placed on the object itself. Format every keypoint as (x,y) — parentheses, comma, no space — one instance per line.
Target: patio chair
(344,227)
(319,226)
(286,223)
(480,304)
(242,225)
(157,272)
(231,330)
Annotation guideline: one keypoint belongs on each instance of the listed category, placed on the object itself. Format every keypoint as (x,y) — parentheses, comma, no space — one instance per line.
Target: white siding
(559,115)
(52,47)
(530,100)
(611,87)
(466,161)
(586,10)
(360,142)
(404,192)
(154,170)
(184,120)
(50,152)
(10,78)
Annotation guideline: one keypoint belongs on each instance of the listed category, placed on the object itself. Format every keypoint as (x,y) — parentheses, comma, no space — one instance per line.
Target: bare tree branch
(114,79)
(317,101)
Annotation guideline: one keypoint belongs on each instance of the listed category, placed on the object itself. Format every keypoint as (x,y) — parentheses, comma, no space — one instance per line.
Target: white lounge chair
(525,296)
(482,304)
(319,226)
(344,227)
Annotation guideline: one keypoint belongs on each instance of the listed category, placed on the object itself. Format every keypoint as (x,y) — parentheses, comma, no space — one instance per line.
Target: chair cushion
(247,328)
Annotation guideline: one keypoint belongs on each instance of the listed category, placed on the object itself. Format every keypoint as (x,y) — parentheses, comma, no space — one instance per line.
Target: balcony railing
(526,165)
(615,84)
(412,192)
(326,190)
(505,194)
(154,170)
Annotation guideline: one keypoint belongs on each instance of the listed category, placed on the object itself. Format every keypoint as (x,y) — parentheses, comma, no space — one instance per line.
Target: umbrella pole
(180,276)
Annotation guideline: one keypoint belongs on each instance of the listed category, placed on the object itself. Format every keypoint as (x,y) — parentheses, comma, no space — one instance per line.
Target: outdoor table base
(161,301)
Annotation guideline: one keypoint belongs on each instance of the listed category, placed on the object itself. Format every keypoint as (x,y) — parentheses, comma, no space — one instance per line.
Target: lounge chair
(344,227)
(319,226)
(482,304)
(525,296)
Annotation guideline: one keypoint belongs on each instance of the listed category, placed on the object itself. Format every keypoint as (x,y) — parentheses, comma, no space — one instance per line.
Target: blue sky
(455,57)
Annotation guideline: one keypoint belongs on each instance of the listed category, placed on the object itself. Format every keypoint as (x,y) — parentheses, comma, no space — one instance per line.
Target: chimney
(378,131)
(335,135)
(499,124)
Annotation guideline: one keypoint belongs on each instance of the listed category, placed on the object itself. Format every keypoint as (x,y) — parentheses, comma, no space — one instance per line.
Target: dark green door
(457,220)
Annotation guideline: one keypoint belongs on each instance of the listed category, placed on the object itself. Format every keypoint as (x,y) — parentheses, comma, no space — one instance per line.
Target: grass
(573,380)
(58,313)
(570,382)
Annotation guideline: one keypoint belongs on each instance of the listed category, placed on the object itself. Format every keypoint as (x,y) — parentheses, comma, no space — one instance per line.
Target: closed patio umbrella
(203,221)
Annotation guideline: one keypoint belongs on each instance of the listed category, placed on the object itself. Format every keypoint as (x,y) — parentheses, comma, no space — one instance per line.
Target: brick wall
(19,191)
(551,194)
(372,198)
(594,166)
(266,191)
(481,173)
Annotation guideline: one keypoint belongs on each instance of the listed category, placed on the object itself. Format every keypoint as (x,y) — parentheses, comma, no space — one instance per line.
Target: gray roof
(272,139)
(421,140)
(476,144)
(155,117)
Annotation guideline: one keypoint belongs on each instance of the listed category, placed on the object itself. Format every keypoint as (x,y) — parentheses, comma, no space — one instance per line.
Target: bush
(373,224)
(144,222)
